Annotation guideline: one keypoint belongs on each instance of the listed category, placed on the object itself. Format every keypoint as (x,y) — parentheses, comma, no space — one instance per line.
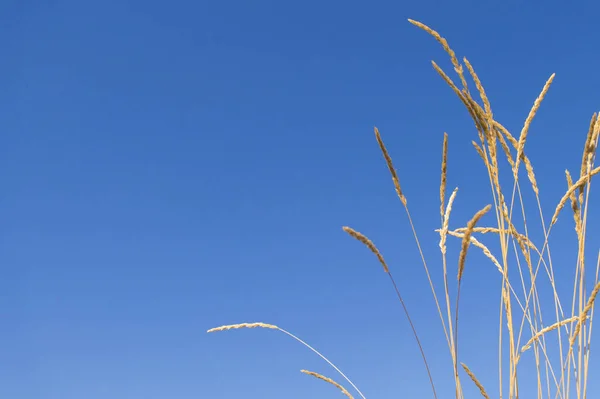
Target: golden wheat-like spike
(243,325)
(505,148)
(593,146)
(464,96)
(528,165)
(467,239)
(390,165)
(527,124)
(479,245)
(584,314)
(475,380)
(505,132)
(589,151)
(362,238)
(446,221)
(579,183)
(546,330)
(457,66)
(328,380)
(478,115)
(588,142)
(530,174)
(444,174)
(448,81)
(495,230)
(574,205)
(479,151)
(480,89)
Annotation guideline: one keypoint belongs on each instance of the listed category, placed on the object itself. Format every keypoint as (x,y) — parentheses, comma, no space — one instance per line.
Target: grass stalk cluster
(556,333)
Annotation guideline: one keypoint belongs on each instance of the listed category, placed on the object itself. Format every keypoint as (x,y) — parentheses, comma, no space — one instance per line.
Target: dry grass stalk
(461,266)
(467,239)
(328,380)
(369,244)
(476,381)
(362,238)
(271,326)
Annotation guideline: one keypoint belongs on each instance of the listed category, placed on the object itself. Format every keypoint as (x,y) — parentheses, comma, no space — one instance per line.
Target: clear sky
(168,167)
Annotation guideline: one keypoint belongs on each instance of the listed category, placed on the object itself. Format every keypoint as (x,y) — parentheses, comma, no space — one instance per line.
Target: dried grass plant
(523,316)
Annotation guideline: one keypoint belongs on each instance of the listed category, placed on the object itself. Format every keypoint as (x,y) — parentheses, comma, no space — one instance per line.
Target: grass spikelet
(480,89)
(478,116)
(583,316)
(506,133)
(495,230)
(525,130)
(579,183)
(467,239)
(446,221)
(444,175)
(528,166)
(587,149)
(478,244)
(388,161)
(574,205)
(530,174)
(328,380)
(479,151)
(450,83)
(475,380)
(243,325)
(362,238)
(505,148)
(457,66)
(546,330)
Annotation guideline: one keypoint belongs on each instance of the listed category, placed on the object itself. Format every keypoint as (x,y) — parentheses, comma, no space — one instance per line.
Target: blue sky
(171,167)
